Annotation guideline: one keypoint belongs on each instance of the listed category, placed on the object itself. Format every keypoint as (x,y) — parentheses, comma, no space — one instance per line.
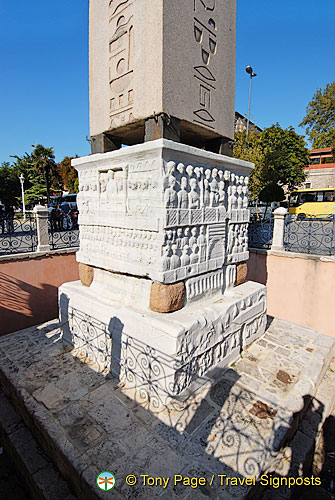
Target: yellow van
(318,203)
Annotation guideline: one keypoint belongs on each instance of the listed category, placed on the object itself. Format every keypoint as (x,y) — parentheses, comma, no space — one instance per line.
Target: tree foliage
(253,153)
(279,156)
(68,174)
(286,156)
(45,165)
(320,118)
(10,188)
(272,192)
(41,177)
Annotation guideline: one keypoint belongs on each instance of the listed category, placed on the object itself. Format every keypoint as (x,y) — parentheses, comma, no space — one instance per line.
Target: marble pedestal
(163,229)
(158,356)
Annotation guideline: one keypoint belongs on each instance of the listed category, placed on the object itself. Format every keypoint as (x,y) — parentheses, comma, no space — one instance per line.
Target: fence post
(278,229)
(42,228)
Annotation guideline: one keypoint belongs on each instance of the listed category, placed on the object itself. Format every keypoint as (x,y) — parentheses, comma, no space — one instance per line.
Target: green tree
(68,174)
(10,188)
(44,164)
(320,118)
(255,154)
(35,186)
(286,156)
(279,155)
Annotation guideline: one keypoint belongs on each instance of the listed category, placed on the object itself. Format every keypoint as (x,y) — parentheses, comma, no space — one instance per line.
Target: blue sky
(44,67)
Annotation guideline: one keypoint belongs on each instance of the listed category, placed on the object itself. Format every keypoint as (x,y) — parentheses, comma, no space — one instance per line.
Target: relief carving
(121,53)
(206,37)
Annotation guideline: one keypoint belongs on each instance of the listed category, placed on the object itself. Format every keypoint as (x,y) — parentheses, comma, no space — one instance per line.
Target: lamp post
(22,191)
(250,72)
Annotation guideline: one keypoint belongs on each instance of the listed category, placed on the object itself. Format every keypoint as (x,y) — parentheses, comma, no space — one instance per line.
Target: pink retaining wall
(29,288)
(300,288)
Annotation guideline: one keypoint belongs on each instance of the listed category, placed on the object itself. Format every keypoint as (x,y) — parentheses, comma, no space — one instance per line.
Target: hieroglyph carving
(121,54)
(205,35)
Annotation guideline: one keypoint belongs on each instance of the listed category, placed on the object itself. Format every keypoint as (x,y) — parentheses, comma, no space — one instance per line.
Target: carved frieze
(147,214)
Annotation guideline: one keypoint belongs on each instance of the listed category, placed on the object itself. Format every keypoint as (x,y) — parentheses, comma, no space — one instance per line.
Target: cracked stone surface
(97,426)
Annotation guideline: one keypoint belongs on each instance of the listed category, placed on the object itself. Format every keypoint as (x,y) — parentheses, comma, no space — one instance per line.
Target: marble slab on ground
(235,424)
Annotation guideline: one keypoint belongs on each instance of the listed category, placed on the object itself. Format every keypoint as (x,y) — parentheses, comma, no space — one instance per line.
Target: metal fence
(261,233)
(311,236)
(18,234)
(66,236)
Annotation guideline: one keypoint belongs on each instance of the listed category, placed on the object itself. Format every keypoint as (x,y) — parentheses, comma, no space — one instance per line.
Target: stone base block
(159,356)
(167,298)
(241,273)
(86,274)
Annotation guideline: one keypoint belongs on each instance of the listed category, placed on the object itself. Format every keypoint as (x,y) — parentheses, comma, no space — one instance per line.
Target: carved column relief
(121,53)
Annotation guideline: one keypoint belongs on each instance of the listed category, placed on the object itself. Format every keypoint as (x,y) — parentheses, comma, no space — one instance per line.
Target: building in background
(241,124)
(321,171)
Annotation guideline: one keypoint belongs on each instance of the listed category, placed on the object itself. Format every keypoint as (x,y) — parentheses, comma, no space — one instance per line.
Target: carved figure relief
(196,195)
(87,198)
(201,222)
(125,244)
(237,245)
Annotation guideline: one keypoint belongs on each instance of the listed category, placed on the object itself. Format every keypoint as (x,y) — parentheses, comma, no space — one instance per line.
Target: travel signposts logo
(105,481)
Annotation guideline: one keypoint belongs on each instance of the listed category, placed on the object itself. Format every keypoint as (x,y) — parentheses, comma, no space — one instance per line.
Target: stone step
(240,422)
(41,480)
(295,459)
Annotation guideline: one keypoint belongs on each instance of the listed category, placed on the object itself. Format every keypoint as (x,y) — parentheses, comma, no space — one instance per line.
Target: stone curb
(310,424)
(76,466)
(50,438)
(42,480)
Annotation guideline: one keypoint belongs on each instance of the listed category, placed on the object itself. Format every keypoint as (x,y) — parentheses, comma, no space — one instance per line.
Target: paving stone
(171,435)
(325,391)
(97,395)
(221,390)
(71,387)
(189,419)
(21,437)
(311,424)
(52,397)
(112,415)
(214,430)
(10,421)
(70,415)
(324,341)
(32,456)
(85,434)
(106,454)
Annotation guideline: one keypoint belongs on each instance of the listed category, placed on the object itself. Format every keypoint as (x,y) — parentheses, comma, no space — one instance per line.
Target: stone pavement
(245,421)
(9,480)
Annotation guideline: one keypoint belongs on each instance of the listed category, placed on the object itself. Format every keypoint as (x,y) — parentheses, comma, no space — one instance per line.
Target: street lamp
(22,191)
(250,72)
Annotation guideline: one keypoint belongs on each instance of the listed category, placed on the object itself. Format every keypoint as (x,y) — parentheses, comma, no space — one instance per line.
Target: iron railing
(64,236)
(261,233)
(312,235)
(17,234)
